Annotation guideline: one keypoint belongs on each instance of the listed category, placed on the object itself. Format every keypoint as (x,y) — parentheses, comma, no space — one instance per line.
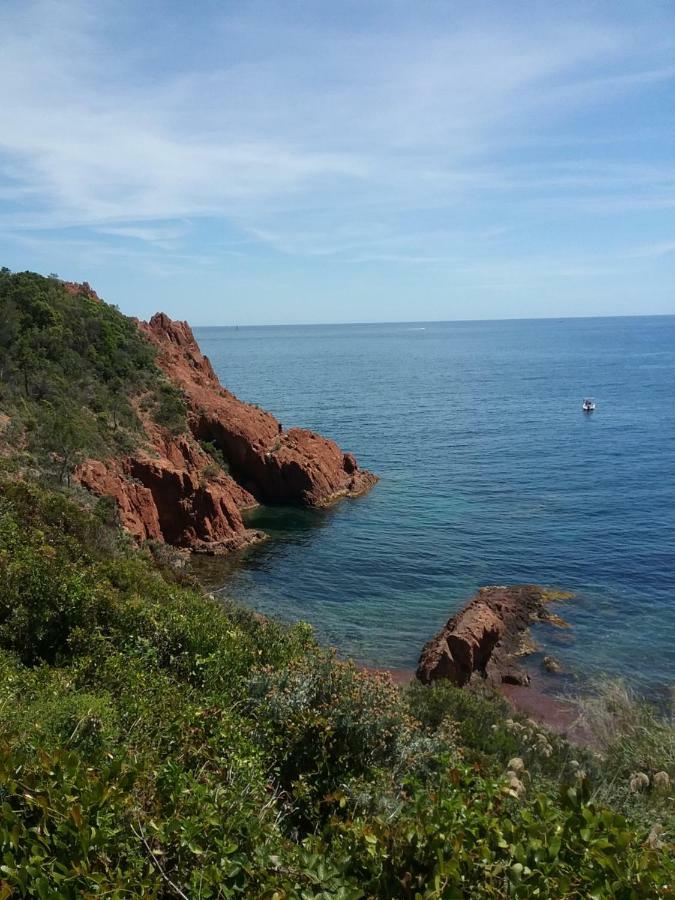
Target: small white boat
(588,405)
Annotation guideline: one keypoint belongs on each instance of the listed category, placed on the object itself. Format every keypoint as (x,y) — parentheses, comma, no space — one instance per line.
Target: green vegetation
(216,455)
(637,743)
(70,366)
(157,744)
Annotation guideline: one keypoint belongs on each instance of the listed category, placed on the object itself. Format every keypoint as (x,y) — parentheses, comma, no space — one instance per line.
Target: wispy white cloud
(316,139)
(660,248)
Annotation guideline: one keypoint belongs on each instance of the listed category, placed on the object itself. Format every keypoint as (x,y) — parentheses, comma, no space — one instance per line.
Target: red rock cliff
(485,637)
(295,466)
(169,491)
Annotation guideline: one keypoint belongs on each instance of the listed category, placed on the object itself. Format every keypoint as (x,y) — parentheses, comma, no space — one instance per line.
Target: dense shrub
(170,410)
(216,454)
(70,367)
(159,744)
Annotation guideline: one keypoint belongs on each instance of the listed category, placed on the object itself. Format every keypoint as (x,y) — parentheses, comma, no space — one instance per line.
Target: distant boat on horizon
(588,405)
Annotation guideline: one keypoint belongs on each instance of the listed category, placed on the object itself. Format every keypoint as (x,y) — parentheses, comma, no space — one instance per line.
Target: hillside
(157,743)
(133,411)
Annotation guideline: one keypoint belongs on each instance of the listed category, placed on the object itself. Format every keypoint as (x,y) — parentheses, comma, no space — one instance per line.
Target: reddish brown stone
(484,637)
(137,511)
(83,289)
(169,492)
(158,499)
(295,466)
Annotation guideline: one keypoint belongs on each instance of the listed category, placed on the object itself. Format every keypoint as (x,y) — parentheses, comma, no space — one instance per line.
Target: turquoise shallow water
(490,473)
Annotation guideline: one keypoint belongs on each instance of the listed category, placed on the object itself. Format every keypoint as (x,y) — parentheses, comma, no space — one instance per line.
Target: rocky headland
(169,490)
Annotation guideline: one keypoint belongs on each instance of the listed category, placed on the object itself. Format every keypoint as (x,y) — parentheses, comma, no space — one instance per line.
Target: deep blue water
(490,474)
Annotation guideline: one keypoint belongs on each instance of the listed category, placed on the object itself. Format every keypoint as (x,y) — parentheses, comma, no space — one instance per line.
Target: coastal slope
(173,491)
(159,741)
(134,412)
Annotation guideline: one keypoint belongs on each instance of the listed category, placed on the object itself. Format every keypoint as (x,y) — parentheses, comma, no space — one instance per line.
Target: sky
(329,161)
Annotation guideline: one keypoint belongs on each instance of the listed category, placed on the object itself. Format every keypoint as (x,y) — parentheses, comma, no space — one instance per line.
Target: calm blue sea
(490,474)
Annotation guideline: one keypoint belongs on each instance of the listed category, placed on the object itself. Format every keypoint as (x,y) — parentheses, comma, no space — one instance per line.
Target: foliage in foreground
(157,744)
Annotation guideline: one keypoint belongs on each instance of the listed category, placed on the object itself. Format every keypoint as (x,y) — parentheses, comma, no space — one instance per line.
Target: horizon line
(437,321)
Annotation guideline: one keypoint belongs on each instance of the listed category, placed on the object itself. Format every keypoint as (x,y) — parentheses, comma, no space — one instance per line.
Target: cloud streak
(373,135)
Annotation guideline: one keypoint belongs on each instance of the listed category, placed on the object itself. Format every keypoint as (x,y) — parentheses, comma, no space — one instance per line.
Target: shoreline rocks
(274,465)
(484,640)
(167,490)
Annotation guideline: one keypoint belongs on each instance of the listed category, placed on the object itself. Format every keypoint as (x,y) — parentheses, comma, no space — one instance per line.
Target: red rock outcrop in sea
(168,491)
(295,466)
(485,636)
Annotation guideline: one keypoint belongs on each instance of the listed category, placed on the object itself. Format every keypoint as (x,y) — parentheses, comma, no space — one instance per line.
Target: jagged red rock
(168,490)
(83,289)
(484,637)
(295,466)
(173,497)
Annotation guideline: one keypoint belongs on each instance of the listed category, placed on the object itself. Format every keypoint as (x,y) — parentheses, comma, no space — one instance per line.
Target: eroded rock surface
(295,466)
(174,497)
(168,491)
(484,638)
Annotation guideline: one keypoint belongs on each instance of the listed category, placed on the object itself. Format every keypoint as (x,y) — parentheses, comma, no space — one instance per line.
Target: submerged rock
(527,644)
(551,664)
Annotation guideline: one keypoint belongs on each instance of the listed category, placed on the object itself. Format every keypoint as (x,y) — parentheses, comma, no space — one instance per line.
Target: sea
(490,473)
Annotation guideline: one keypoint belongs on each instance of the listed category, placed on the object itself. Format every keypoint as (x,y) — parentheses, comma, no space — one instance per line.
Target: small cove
(490,474)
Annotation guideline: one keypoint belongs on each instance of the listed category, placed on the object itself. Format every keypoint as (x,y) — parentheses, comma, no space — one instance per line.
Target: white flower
(639,781)
(661,781)
(516,764)
(516,786)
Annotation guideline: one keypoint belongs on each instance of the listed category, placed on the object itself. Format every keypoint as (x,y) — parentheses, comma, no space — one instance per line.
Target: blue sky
(267,162)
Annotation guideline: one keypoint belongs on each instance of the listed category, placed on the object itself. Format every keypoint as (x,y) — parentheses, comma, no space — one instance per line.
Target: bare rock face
(172,497)
(168,490)
(137,511)
(83,289)
(484,637)
(277,466)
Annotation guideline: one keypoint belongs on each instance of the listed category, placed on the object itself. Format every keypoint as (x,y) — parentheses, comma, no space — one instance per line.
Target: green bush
(327,724)
(216,454)
(157,744)
(71,367)
(64,829)
(170,411)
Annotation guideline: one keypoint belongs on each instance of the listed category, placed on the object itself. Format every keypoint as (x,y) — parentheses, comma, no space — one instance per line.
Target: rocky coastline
(170,491)
(487,639)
